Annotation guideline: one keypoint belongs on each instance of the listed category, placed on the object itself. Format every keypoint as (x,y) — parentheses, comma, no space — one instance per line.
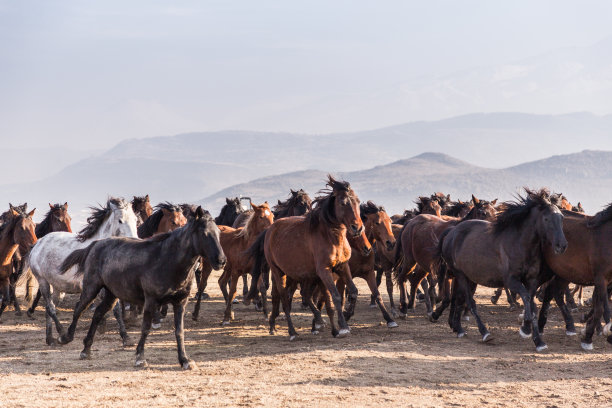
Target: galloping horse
(116,218)
(505,252)
(587,261)
(310,247)
(142,208)
(150,273)
(16,232)
(235,241)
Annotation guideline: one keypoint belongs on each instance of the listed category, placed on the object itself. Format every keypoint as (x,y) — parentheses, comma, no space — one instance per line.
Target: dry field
(417,364)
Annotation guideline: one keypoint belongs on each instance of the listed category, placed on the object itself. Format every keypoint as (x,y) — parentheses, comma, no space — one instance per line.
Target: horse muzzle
(366,250)
(357,231)
(560,248)
(390,245)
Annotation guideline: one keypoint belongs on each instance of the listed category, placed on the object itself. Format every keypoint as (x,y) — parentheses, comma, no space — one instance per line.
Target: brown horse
(142,208)
(235,242)
(505,252)
(587,261)
(417,247)
(166,218)
(312,247)
(378,231)
(16,232)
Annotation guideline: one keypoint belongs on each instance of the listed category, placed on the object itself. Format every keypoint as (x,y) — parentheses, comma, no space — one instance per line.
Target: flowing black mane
(323,205)
(601,217)
(455,208)
(369,208)
(45,226)
(517,212)
(297,199)
(97,217)
(189,210)
(149,227)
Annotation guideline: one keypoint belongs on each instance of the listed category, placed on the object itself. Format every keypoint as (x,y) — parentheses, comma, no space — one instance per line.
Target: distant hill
(584,176)
(187,167)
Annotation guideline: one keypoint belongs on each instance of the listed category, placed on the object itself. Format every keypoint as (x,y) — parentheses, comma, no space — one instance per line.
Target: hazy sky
(91,73)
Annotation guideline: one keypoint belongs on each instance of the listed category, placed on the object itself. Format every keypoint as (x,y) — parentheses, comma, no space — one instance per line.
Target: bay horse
(150,273)
(8,214)
(311,247)
(16,232)
(505,252)
(57,219)
(116,218)
(299,203)
(417,246)
(378,230)
(235,242)
(167,217)
(587,261)
(142,208)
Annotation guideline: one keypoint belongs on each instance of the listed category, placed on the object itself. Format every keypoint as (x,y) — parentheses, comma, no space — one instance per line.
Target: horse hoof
(461,334)
(189,365)
(466,318)
(318,326)
(493,300)
(52,342)
(586,346)
(141,363)
(18,313)
(487,337)
(272,332)
(570,333)
(247,302)
(128,342)
(373,305)
(315,332)
(225,323)
(194,318)
(523,334)
(292,337)
(30,314)
(541,347)
(343,333)
(392,325)
(63,340)
(155,325)
(607,328)
(235,301)
(521,317)
(85,355)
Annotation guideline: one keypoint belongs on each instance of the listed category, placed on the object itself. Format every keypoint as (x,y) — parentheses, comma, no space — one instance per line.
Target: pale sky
(92,73)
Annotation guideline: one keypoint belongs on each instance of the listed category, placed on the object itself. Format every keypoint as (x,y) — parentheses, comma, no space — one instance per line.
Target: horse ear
(66,205)
(50,206)
(494,202)
(199,212)
(31,213)
(475,200)
(14,212)
(459,201)
(227,200)
(254,206)
(11,206)
(147,197)
(293,191)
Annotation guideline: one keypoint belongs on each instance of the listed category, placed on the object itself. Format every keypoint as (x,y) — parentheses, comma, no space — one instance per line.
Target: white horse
(114,220)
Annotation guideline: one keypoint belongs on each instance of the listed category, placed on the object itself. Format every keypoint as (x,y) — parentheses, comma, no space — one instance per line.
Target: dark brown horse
(505,252)
(312,247)
(16,233)
(587,261)
(142,208)
(167,217)
(299,203)
(417,248)
(235,242)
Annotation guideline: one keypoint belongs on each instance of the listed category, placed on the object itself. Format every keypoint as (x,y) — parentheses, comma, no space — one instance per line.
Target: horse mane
(601,217)
(188,210)
(44,227)
(235,201)
(323,205)
(454,208)
(282,208)
(369,208)
(165,235)
(149,227)
(422,201)
(98,216)
(516,212)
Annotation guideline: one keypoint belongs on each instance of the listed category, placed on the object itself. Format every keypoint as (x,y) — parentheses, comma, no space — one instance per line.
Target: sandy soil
(417,364)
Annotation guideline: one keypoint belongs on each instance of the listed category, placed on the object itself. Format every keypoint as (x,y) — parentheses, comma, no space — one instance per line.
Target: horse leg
(119,315)
(108,301)
(13,296)
(469,296)
(205,271)
(530,326)
(372,284)
(496,295)
(150,306)
(29,287)
(457,302)
(223,280)
(89,293)
(317,320)
(245,285)
(569,298)
(326,297)
(6,294)
(430,296)
(344,272)
(229,315)
(446,300)
(511,298)
(379,274)
(389,283)
(325,274)
(275,307)
(263,291)
(30,311)
(51,314)
(600,295)
(179,332)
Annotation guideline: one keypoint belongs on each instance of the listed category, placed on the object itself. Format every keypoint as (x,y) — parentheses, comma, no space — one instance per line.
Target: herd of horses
(147,258)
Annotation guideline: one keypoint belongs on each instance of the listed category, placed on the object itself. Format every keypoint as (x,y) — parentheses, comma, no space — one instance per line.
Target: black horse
(149,272)
(299,203)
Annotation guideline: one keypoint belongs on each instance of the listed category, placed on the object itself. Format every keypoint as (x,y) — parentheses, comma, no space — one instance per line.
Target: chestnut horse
(505,252)
(167,217)
(16,232)
(310,247)
(235,242)
(417,248)
(142,208)
(587,261)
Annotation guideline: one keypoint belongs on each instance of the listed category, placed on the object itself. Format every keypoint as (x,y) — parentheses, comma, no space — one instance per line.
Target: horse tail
(256,252)
(26,271)
(439,263)
(76,257)
(399,254)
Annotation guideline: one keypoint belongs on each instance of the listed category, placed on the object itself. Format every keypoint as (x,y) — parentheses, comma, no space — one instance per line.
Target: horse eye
(120,221)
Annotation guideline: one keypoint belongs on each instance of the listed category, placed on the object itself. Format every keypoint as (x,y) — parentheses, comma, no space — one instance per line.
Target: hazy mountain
(187,167)
(584,176)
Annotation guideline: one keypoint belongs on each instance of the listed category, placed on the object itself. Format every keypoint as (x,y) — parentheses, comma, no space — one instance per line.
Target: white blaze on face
(267,213)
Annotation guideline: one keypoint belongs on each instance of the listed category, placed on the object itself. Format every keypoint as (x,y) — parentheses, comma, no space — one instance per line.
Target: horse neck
(185,256)
(105,230)
(7,248)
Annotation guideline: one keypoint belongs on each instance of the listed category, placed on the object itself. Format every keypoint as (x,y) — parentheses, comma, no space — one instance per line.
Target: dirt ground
(417,364)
